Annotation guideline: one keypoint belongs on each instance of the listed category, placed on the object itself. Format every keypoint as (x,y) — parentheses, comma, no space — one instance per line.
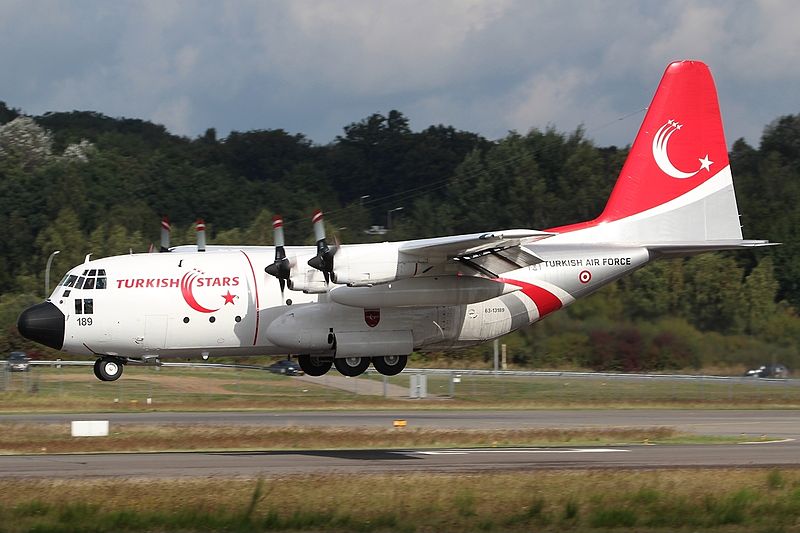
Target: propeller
(281,268)
(164,234)
(323,261)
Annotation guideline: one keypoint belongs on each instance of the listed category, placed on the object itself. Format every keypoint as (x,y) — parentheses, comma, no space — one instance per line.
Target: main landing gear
(108,369)
(314,366)
(351,366)
(388,365)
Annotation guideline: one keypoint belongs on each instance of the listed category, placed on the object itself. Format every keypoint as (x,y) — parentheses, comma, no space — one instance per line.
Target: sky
(313,67)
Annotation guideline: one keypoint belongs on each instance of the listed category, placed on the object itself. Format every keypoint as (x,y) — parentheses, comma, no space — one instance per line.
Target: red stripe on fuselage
(255,285)
(546,302)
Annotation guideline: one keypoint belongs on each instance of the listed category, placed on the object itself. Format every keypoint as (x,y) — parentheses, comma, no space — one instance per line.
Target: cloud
(314,66)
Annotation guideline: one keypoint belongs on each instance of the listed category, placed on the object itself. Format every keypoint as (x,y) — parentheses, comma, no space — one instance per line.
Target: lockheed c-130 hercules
(361,304)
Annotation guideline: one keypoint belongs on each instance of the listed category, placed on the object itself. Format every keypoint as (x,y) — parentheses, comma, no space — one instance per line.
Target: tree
(25,144)
(63,234)
(715,298)
(760,290)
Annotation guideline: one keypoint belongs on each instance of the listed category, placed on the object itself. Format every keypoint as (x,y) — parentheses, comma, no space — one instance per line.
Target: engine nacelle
(310,282)
(366,265)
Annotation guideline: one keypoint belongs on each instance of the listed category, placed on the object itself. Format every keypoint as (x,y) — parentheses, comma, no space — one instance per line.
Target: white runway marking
(767,441)
(519,450)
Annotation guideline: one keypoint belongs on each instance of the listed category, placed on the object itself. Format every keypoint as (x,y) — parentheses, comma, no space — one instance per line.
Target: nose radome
(43,323)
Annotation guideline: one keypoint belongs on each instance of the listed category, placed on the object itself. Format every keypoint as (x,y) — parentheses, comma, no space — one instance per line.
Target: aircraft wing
(491,253)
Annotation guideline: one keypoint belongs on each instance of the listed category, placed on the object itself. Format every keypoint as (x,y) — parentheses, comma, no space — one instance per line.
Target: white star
(679,126)
(670,122)
(705,163)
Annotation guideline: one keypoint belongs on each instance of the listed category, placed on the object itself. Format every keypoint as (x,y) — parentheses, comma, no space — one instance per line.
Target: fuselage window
(84,307)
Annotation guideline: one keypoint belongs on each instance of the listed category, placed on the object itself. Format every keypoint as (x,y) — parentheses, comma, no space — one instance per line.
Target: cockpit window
(91,279)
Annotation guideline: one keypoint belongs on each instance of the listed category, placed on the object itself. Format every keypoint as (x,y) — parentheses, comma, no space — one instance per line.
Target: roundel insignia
(372,317)
(585,277)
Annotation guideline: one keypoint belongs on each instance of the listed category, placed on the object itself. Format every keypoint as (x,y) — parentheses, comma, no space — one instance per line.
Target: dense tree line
(83,182)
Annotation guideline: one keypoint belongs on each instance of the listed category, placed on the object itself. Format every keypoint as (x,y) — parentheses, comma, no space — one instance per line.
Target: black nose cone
(43,323)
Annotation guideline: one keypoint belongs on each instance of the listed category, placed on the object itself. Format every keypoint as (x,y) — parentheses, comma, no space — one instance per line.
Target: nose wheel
(108,369)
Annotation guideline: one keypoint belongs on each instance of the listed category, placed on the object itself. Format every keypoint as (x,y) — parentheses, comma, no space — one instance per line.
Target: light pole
(389,216)
(47,273)
(362,198)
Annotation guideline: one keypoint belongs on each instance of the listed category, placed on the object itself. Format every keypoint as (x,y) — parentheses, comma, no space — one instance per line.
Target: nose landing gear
(108,369)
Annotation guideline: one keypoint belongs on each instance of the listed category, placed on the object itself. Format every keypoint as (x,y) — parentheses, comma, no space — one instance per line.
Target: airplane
(352,306)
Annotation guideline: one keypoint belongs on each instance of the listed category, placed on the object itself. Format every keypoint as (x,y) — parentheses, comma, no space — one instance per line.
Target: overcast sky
(313,67)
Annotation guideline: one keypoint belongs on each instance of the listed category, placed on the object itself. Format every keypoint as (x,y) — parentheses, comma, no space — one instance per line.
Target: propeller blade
(323,261)
(281,268)
(319,226)
(277,230)
(165,228)
(201,235)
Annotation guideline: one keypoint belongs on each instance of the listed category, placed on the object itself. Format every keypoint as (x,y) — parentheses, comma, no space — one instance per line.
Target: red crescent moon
(186,290)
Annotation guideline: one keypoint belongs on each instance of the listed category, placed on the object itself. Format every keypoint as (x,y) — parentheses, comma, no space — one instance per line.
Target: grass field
(76,389)
(736,500)
(55,438)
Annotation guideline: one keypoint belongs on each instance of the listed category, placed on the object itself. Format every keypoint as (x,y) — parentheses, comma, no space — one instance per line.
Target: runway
(775,423)
(179,465)
(747,425)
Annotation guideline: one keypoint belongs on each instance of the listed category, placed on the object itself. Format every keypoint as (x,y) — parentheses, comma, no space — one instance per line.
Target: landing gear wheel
(390,365)
(351,366)
(314,366)
(107,369)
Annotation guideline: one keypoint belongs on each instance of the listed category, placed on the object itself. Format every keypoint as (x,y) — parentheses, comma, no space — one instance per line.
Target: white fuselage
(221,302)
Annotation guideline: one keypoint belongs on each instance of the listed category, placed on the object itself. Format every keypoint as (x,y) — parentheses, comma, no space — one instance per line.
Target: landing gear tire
(351,366)
(314,366)
(390,365)
(107,369)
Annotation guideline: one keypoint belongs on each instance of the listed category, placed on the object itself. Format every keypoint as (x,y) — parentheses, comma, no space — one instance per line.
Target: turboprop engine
(362,265)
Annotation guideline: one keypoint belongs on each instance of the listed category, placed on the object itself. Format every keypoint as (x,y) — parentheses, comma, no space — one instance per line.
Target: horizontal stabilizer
(687,248)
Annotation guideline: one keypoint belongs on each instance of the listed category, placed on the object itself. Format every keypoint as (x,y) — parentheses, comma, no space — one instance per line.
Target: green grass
(631,391)
(126,437)
(76,389)
(718,500)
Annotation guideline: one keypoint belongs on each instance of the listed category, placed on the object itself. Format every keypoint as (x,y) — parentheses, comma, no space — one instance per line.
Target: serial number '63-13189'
(85,321)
